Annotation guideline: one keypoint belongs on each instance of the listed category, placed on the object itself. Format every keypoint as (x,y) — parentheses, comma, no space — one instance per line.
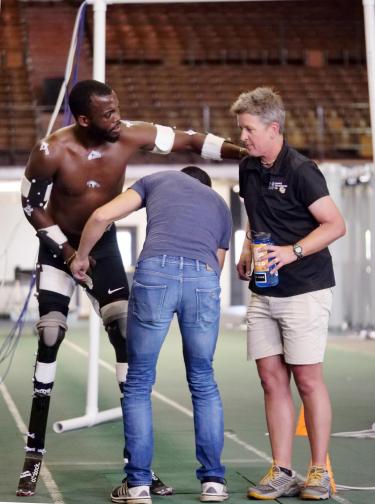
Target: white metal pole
(332,173)
(93,371)
(100,8)
(369,16)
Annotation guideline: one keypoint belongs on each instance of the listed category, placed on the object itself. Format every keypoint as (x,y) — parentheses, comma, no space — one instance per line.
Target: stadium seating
(184,65)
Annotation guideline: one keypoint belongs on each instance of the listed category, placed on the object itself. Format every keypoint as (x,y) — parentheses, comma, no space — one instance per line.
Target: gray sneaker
(276,483)
(317,485)
(132,495)
(213,492)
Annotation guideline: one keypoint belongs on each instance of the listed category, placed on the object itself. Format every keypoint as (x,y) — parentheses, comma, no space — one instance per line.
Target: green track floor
(86,464)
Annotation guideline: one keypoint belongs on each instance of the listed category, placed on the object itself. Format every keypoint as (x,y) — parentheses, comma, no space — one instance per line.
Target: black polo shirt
(277,201)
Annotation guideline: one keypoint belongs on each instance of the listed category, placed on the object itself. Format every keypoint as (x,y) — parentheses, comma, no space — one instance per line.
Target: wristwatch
(297,249)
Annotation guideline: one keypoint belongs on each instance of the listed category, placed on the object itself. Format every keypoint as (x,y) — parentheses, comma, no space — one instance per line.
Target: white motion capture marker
(44,372)
(56,280)
(44,148)
(28,209)
(164,140)
(54,233)
(211,148)
(92,184)
(128,124)
(190,132)
(94,154)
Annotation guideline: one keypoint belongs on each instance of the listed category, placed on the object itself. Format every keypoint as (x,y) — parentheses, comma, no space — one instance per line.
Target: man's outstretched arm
(164,139)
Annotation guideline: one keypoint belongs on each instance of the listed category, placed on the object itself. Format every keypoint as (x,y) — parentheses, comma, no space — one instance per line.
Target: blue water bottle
(262,271)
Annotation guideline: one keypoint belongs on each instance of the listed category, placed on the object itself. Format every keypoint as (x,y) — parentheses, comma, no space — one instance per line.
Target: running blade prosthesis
(29,475)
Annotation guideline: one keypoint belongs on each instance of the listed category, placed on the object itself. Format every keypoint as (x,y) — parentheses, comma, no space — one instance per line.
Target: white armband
(164,139)
(55,234)
(211,148)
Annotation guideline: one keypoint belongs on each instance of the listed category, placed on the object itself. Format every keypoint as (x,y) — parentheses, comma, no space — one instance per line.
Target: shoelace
(315,476)
(272,474)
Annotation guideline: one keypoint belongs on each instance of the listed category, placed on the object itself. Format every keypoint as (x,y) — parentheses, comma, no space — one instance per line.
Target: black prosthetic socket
(116,334)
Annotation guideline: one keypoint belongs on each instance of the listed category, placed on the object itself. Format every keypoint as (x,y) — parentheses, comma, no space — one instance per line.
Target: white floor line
(240,461)
(112,369)
(46,476)
(186,411)
(82,463)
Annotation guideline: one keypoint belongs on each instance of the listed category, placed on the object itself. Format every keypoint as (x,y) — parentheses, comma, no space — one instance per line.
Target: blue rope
(8,347)
(68,119)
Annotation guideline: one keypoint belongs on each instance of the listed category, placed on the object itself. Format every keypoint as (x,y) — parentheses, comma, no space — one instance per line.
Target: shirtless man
(69,174)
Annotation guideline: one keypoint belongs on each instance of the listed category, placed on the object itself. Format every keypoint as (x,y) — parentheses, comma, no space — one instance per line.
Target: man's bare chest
(90,175)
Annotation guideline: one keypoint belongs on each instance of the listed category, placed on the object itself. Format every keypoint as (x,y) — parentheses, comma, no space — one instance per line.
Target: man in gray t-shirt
(184,218)
(188,232)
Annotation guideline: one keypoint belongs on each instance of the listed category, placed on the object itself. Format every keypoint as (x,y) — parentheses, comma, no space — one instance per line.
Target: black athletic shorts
(54,279)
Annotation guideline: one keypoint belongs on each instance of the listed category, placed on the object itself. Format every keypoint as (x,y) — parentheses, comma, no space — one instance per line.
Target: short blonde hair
(262,102)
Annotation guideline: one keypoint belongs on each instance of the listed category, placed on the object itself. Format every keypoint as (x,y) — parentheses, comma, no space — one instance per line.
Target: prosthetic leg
(51,328)
(114,317)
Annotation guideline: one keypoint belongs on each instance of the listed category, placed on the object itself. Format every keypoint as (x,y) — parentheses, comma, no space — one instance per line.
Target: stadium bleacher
(185,65)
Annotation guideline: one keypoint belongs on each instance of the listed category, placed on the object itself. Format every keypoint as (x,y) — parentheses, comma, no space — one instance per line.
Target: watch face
(298,251)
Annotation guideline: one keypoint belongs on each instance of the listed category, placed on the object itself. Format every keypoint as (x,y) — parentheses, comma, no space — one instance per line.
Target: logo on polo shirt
(277,185)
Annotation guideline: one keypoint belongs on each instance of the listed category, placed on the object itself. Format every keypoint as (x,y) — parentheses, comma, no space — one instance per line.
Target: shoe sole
(290,493)
(135,500)
(254,495)
(24,493)
(162,491)
(307,496)
(213,498)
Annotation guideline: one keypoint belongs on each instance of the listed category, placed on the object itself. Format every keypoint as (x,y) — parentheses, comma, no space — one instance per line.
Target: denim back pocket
(208,304)
(147,301)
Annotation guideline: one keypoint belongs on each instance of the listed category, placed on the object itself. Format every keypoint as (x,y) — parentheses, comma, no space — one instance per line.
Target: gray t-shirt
(184,218)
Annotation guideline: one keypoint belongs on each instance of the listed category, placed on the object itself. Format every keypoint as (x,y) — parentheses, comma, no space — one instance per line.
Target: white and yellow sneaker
(276,483)
(317,485)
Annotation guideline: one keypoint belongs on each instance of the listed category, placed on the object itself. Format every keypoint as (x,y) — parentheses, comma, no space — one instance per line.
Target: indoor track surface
(82,466)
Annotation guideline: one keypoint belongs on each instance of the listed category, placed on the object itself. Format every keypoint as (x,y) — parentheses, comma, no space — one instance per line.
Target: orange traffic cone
(301,426)
(302,431)
(330,472)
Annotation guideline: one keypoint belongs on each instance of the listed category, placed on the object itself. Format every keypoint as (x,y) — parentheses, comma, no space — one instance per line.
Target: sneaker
(317,485)
(213,492)
(29,474)
(133,495)
(158,487)
(276,483)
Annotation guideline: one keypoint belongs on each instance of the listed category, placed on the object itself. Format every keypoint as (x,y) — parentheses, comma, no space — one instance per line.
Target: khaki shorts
(294,326)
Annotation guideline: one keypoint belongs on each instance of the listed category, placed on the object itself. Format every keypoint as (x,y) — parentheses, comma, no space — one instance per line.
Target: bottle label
(260,261)
(264,274)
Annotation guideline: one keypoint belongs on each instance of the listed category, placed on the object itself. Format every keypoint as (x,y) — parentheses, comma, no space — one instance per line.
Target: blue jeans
(162,286)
